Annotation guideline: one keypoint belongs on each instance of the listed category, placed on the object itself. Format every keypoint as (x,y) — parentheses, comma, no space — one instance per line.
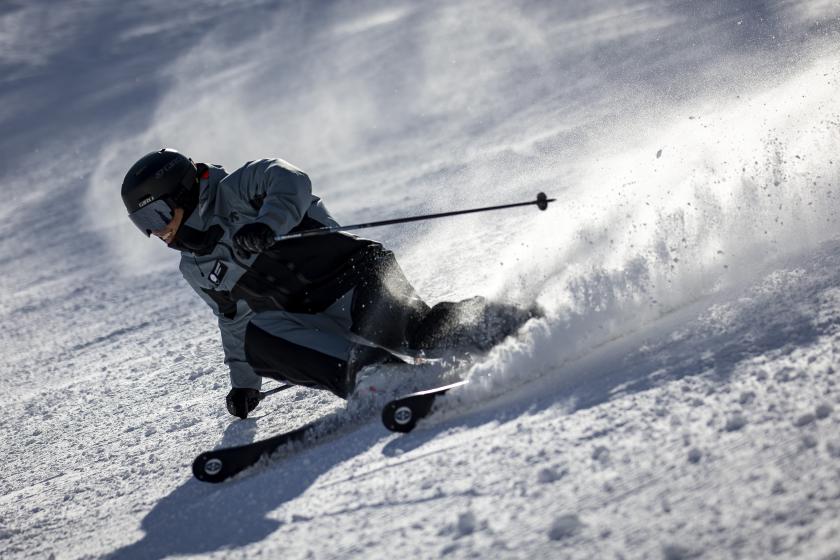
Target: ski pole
(541,203)
(264,394)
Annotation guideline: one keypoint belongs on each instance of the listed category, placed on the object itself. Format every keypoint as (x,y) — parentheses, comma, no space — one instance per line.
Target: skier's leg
(386,308)
(304,349)
(301,356)
(313,350)
(470,323)
(438,325)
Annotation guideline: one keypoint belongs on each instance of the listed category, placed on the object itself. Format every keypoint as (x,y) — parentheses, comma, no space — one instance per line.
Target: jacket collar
(208,187)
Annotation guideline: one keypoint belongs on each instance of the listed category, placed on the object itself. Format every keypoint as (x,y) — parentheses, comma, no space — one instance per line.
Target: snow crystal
(564,527)
(735,422)
(676,552)
(183,423)
(601,454)
(548,475)
(809,441)
(200,372)
(449,549)
(823,411)
(466,524)
(666,505)
(694,455)
(6,534)
(786,374)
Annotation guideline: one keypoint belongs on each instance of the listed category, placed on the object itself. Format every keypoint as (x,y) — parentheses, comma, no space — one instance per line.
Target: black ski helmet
(157,184)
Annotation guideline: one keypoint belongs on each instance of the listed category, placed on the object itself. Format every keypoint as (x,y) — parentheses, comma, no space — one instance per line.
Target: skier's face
(167,234)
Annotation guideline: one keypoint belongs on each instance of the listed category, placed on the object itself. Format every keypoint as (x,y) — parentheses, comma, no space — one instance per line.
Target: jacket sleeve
(233,320)
(233,344)
(282,192)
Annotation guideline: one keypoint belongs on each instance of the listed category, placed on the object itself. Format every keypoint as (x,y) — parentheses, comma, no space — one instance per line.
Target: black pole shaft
(541,202)
(264,394)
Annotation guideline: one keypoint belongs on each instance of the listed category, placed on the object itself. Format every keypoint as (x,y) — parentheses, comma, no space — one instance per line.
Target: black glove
(241,401)
(253,238)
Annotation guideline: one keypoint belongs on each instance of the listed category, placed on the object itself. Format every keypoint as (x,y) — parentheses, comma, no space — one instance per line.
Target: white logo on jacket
(218,273)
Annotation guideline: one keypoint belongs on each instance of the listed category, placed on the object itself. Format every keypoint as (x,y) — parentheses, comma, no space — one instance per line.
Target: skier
(311,311)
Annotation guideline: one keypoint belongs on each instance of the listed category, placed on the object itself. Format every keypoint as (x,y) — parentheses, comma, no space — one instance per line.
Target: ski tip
(399,417)
(207,468)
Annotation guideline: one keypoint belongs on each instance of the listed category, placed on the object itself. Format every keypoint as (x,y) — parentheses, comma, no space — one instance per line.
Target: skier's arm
(282,192)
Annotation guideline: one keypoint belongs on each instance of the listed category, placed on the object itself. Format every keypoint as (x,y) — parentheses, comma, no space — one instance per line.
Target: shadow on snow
(774,316)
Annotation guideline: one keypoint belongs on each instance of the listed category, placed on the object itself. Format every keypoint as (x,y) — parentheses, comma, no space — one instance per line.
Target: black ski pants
(384,310)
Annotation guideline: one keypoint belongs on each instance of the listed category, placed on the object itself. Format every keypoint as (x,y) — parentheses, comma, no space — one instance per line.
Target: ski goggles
(153,216)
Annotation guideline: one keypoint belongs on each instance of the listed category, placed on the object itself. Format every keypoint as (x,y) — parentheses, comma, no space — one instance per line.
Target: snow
(679,399)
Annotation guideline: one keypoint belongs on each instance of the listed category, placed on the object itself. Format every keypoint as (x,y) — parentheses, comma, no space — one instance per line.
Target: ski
(220,464)
(402,414)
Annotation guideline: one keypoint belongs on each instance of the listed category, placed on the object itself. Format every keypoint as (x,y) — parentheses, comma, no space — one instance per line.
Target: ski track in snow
(679,400)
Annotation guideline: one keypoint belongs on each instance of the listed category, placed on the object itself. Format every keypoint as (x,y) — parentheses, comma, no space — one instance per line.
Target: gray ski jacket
(303,276)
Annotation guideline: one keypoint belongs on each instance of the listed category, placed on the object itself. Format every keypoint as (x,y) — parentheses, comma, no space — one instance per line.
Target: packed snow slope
(679,399)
